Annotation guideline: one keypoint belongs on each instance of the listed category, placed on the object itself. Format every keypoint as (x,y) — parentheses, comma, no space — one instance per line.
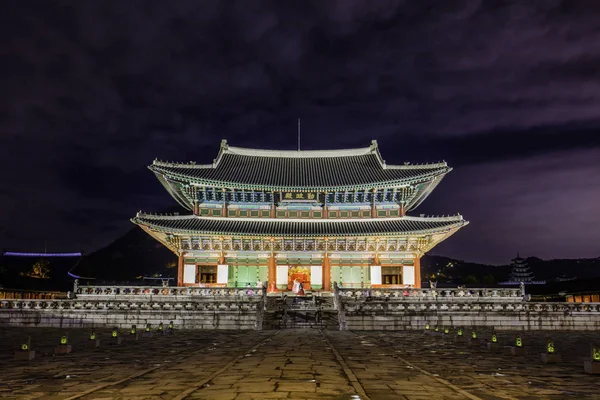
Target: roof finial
(298,134)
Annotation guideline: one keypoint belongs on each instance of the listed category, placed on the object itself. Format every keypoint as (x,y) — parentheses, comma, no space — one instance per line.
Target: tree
(40,269)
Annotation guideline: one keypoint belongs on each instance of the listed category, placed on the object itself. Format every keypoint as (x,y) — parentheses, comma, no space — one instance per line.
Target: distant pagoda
(317,217)
(520,270)
(521,273)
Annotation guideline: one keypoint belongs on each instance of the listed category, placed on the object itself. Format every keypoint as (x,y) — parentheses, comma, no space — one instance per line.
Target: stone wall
(383,314)
(236,313)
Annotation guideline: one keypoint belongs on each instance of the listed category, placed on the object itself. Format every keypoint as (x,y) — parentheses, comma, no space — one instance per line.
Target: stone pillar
(326,272)
(180,263)
(272,274)
(417,261)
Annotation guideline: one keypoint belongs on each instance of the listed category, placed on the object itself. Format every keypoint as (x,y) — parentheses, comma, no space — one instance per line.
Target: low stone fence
(435,295)
(224,312)
(406,314)
(159,293)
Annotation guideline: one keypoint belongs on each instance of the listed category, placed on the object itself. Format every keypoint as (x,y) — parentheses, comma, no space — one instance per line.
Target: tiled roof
(300,169)
(298,227)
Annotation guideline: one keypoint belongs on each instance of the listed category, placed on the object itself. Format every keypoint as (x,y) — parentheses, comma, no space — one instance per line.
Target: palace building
(320,217)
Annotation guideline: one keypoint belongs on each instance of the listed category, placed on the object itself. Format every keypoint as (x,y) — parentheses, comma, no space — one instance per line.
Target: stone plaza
(294,363)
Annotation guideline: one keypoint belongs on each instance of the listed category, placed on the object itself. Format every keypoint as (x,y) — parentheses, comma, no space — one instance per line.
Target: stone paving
(294,364)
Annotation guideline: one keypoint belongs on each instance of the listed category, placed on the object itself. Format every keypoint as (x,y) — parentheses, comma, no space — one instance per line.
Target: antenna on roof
(298,134)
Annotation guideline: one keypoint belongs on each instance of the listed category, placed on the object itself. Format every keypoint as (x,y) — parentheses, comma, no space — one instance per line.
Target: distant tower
(520,270)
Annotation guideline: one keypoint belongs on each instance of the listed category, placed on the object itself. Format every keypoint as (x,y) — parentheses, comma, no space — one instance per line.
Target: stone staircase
(296,312)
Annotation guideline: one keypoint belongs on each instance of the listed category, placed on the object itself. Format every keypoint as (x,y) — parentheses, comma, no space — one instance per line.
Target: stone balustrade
(150,292)
(435,295)
(483,305)
(241,303)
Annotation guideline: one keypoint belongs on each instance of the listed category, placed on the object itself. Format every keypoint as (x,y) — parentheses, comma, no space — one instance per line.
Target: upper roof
(196,225)
(313,169)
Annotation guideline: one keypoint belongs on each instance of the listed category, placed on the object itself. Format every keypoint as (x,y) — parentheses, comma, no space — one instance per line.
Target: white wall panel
(189,273)
(222,273)
(375,274)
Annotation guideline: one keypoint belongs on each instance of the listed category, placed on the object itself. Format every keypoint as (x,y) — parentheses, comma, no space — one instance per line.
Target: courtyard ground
(296,364)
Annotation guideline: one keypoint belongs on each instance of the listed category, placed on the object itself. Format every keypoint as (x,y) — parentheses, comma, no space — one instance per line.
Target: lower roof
(197,225)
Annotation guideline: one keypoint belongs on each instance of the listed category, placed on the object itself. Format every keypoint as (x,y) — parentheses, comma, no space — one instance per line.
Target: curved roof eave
(184,179)
(457,220)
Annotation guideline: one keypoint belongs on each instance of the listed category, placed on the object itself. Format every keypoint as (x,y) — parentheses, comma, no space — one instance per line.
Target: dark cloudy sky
(508,92)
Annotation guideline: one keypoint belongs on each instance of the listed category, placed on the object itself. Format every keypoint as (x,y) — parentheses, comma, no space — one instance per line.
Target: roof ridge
(242,151)
(457,217)
(408,165)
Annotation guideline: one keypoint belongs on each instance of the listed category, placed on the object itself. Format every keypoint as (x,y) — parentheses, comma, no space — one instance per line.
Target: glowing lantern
(427,326)
(595,353)
(63,340)
(446,331)
(115,332)
(459,332)
(133,330)
(92,335)
(519,342)
(147,327)
(494,337)
(160,326)
(473,334)
(550,346)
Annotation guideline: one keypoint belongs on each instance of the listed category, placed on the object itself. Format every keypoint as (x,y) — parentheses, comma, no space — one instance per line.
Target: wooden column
(224,209)
(273,209)
(402,210)
(196,208)
(180,263)
(417,261)
(373,208)
(326,272)
(272,274)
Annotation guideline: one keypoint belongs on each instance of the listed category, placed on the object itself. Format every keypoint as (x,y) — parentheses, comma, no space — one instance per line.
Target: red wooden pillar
(326,272)
(272,274)
(180,263)
(373,207)
(224,209)
(417,261)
